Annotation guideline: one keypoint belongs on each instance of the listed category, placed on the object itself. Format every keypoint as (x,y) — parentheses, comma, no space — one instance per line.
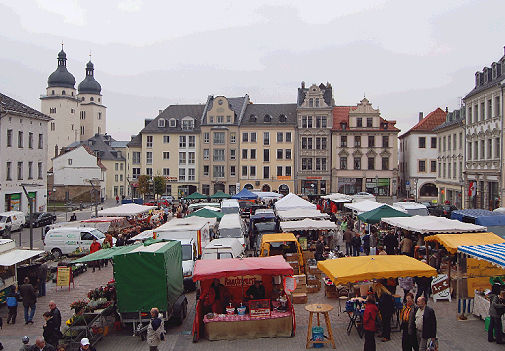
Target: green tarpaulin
(204,212)
(374,216)
(220,195)
(196,196)
(106,254)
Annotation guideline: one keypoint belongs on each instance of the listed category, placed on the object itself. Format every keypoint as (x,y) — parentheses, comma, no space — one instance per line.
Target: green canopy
(106,254)
(205,212)
(196,196)
(385,211)
(220,195)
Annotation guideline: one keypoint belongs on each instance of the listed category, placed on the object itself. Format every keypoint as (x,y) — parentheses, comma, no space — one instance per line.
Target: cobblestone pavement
(453,334)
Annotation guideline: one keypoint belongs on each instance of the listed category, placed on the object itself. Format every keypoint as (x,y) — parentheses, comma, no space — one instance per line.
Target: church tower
(60,103)
(91,109)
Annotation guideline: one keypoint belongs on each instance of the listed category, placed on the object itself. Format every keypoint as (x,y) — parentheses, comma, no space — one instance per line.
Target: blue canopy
(245,194)
(494,253)
(479,217)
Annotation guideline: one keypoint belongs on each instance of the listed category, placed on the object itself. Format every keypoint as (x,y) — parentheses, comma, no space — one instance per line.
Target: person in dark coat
(55,312)
(356,244)
(423,322)
(42,278)
(386,308)
(366,243)
(319,249)
(29,297)
(348,235)
(42,345)
(256,291)
(409,341)
(12,305)
(51,333)
(496,310)
(391,243)
(369,326)
(423,286)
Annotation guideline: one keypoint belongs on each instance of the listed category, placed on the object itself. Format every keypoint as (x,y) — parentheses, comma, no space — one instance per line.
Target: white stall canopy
(125,210)
(308,224)
(268,195)
(432,224)
(293,201)
(15,256)
(338,197)
(299,213)
(363,206)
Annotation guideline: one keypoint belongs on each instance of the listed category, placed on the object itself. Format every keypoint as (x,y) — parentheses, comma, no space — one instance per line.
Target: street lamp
(415,179)
(30,202)
(94,182)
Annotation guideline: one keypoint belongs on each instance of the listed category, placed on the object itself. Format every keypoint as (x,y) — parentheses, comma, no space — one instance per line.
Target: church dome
(89,85)
(61,77)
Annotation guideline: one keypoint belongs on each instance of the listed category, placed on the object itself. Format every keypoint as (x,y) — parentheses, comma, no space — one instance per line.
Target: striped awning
(494,253)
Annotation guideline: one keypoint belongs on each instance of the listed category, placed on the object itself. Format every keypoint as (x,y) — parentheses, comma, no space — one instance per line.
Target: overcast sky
(405,56)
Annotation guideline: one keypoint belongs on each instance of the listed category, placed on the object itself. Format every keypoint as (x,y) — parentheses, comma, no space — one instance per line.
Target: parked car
(40,219)
(11,221)
(168,198)
(442,210)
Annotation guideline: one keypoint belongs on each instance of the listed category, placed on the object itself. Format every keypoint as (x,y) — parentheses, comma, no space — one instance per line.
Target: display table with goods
(234,315)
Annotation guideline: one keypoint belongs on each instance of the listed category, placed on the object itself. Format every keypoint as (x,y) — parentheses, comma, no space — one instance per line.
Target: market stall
(384,211)
(268,195)
(126,210)
(206,213)
(220,195)
(292,201)
(494,221)
(107,225)
(272,316)
(298,213)
(245,194)
(308,224)
(432,224)
(363,206)
(196,196)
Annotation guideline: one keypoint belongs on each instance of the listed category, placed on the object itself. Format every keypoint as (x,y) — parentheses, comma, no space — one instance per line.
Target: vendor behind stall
(217,297)
(256,291)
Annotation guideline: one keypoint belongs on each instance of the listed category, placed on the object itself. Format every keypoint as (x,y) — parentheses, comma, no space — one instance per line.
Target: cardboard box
(300,298)
(301,279)
(314,282)
(307,255)
(292,257)
(300,289)
(314,270)
(313,289)
(331,294)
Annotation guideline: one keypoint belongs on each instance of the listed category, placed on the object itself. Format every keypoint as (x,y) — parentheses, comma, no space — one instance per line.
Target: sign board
(407,182)
(259,308)
(242,281)
(289,284)
(64,276)
(479,283)
(440,288)
(481,268)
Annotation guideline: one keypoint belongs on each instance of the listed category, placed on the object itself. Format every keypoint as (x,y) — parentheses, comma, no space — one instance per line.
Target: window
(166,139)
(320,163)
(99,115)
(422,166)
(218,171)
(8,171)
(321,122)
(253,137)
(218,138)
(369,122)
(220,119)
(433,166)
(371,163)
(149,157)
(233,138)
(166,172)
(233,154)
(252,171)
(218,155)
(489,109)
(182,141)
(280,137)
(266,172)
(307,143)
(266,138)
(497,147)
(149,141)
(357,163)
(482,146)
(9,137)
(136,157)
(161,123)
(476,150)
(244,171)
(39,170)
(182,174)
(30,140)
(149,172)
(288,137)
(116,178)
(306,164)
(385,163)
(279,154)
(206,138)
(188,124)
(182,158)
(244,154)
(52,110)
(20,170)
(469,150)
(69,162)
(422,142)
(191,141)
(320,143)
(20,139)
(496,106)
(288,154)
(266,155)
(306,121)
(357,141)
(135,173)
(166,155)
(191,174)
(253,154)
(343,162)
(343,141)
(206,170)
(317,102)
(116,166)
(359,122)
(434,142)
(121,166)
(311,102)
(53,126)
(279,171)
(449,143)
(439,170)
(454,170)
(233,171)
(489,148)
(206,189)
(482,113)
(371,141)
(206,154)
(228,119)
(41,141)
(460,140)
(449,170)
(191,158)
(288,171)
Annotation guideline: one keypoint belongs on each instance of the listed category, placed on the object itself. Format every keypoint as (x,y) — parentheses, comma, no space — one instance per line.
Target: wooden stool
(317,309)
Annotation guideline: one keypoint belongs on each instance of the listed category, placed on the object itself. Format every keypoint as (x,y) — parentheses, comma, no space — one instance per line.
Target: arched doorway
(284,189)
(218,187)
(429,190)
(249,187)
(265,187)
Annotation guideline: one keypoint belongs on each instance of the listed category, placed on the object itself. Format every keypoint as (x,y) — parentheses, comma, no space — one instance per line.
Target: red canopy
(233,267)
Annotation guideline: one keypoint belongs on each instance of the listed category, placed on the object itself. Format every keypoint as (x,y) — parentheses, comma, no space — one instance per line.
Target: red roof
(341,115)
(428,123)
(233,267)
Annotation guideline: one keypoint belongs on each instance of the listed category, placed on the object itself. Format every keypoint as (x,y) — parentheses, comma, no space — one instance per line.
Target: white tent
(125,210)
(338,197)
(268,195)
(292,201)
(432,224)
(146,234)
(300,213)
(363,206)
(308,224)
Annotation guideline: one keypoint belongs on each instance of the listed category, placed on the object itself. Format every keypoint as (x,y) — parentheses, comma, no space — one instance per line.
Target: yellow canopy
(354,269)
(452,241)
(268,238)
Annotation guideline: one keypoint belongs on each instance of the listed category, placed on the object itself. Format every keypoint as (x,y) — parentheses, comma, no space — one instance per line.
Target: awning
(337,197)
(220,195)
(14,256)
(125,210)
(205,212)
(196,196)
(354,269)
(480,217)
(451,242)
(494,253)
(299,213)
(363,206)
(106,254)
(102,220)
(432,224)
(245,194)
(234,267)
(375,216)
(308,224)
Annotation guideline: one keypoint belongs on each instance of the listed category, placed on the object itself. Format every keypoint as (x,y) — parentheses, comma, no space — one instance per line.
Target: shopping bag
(432,345)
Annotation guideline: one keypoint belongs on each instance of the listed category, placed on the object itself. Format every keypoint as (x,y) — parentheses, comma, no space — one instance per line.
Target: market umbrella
(105,254)
(452,242)
(220,195)
(206,213)
(385,211)
(196,196)
(354,269)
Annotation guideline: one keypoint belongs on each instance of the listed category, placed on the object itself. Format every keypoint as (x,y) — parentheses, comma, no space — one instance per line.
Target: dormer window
(188,124)
(385,125)
(317,102)
(311,102)
(477,79)
(252,118)
(92,99)
(343,125)
(267,118)
(52,92)
(282,118)
(173,123)
(161,123)
(63,92)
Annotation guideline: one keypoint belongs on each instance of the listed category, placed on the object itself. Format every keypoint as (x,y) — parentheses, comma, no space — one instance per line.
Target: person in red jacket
(95,246)
(369,326)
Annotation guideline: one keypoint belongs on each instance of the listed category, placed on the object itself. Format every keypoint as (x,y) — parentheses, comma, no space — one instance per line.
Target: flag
(472,190)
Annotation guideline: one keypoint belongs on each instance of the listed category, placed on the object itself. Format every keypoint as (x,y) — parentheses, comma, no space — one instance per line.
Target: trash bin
(317,335)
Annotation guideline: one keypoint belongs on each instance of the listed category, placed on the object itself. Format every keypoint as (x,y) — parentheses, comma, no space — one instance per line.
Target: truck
(223,248)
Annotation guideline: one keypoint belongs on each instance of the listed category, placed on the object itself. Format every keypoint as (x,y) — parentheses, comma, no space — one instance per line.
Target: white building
(23,155)
(418,158)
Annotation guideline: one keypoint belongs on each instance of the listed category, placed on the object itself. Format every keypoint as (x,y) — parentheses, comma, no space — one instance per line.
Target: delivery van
(65,240)
(11,221)
(232,226)
(223,248)
(230,206)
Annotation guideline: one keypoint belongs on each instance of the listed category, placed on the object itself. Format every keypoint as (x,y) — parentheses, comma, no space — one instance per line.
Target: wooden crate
(313,289)
(300,298)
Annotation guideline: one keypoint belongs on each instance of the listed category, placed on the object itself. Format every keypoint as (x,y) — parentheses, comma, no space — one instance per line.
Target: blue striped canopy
(494,253)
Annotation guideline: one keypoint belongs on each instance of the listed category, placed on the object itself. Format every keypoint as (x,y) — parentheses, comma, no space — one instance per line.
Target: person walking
(348,235)
(356,244)
(407,284)
(496,310)
(51,334)
(42,279)
(366,243)
(12,305)
(95,246)
(319,249)
(55,312)
(386,308)
(155,330)
(409,337)
(27,293)
(369,326)
(391,243)
(423,286)
(424,322)
(406,245)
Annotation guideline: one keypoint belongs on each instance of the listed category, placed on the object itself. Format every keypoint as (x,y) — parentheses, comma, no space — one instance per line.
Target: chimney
(160,111)
(504,49)
(303,84)
(420,116)
(446,109)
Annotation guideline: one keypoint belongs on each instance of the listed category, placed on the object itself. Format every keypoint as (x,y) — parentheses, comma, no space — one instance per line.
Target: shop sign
(283,177)
(259,308)
(245,281)
(64,276)
(171,179)
(289,284)
(440,287)
(480,268)
(314,177)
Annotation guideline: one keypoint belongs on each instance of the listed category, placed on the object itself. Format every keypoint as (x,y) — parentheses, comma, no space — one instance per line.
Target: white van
(65,240)
(232,226)
(230,206)
(11,221)
(223,248)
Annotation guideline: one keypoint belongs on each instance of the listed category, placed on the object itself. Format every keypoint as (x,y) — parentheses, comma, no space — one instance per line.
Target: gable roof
(101,145)
(275,111)
(237,105)
(9,105)
(341,115)
(136,140)
(69,149)
(177,112)
(428,123)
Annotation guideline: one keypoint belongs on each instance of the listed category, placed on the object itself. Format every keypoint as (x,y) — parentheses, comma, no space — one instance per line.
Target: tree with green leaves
(160,185)
(143,187)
